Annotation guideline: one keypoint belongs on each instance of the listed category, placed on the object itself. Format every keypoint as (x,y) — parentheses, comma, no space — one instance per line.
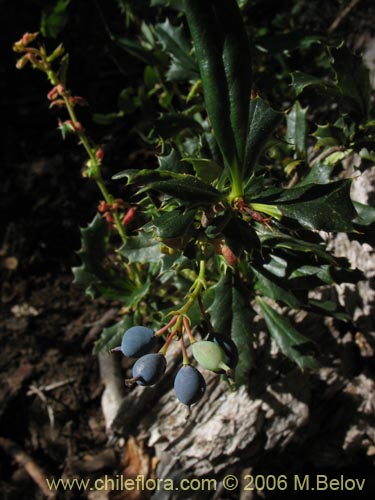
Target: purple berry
(189,385)
(137,341)
(149,369)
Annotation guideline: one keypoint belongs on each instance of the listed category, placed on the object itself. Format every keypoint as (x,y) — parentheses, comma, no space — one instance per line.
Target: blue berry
(189,385)
(137,341)
(148,369)
(228,346)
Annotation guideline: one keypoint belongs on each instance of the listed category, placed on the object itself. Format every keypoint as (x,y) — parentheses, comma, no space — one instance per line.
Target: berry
(228,346)
(210,356)
(189,385)
(148,369)
(137,341)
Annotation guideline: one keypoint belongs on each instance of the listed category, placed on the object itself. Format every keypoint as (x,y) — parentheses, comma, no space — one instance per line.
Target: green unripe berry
(210,356)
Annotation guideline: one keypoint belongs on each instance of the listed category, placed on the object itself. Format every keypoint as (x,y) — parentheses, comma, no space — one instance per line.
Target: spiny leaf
(141,248)
(187,188)
(262,122)
(328,208)
(173,40)
(99,279)
(174,224)
(111,336)
(231,315)
(286,336)
(296,133)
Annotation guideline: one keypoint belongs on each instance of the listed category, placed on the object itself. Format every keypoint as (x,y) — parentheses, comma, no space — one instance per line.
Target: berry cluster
(217,353)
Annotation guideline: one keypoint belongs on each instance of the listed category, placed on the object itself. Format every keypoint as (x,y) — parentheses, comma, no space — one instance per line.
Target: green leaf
(296,133)
(144,175)
(286,336)
(239,236)
(353,81)
(172,162)
(54,19)
(135,49)
(206,170)
(319,174)
(111,336)
(326,207)
(231,315)
(329,135)
(174,224)
(302,81)
(150,77)
(187,188)
(95,276)
(173,40)
(171,124)
(237,67)
(366,214)
(270,288)
(208,43)
(293,245)
(322,273)
(142,248)
(262,122)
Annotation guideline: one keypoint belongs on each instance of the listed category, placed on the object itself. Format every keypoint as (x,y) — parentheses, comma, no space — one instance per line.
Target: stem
(205,315)
(95,164)
(166,327)
(170,337)
(185,357)
(237,184)
(188,330)
(195,291)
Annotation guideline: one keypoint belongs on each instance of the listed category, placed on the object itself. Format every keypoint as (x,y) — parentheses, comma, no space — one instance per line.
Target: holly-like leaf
(171,124)
(231,315)
(296,133)
(135,49)
(302,81)
(286,336)
(366,214)
(144,175)
(207,170)
(292,245)
(263,121)
(187,188)
(111,336)
(173,40)
(97,277)
(326,207)
(208,43)
(270,287)
(236,56)
(141,248)
(174,224)
(319,174)
(353,81)
(329,135)
(54,19)
(172,163)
